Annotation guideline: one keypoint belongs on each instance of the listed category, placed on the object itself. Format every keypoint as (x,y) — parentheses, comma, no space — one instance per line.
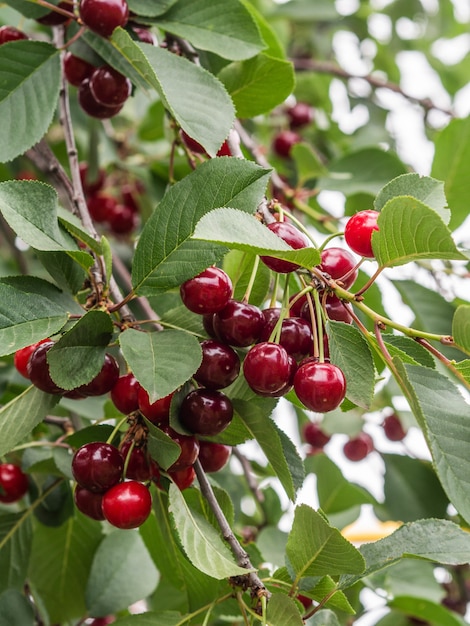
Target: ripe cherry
(296,333)
(53,18)
(337,310)
(104,381)
(357,448)
(224,150)
(76,69)
(97,466)
(91,106)
(103,16)
(10,33)
(122,219)
(21,358)
(238,323)
(205,412)
(91,185)
(213,456)
(299,114)
(13,483)
(340,265)
(101,621)
(183,478)
(208,292)
(220,365)
(101,206)
(38,369)
(139,465)
(157,412)
(320,387)
(266,368)
(358,232)
(109,87)
(189,449)
(127,505)
(125,394)
(88,502)
(284,141)
(292,236)
(191,143)
(315,436)
(393,428)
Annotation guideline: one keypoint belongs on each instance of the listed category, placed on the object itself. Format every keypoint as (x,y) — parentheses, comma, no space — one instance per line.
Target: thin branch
(246,467)
(10,239)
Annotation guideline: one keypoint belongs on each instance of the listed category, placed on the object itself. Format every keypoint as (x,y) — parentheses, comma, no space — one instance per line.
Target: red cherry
(97,466)
(139,466)
(192,144)
(305,601)
(102,621)
(104,381)
(292,236)
(109,87)
(266,368)
(53,18)
(208,324)
(213,456)
(238,323)
(157,412)
(205,412)
(22,356)
(340,265)
(208,292)
(183,478)
(393,428)
(127,505)
(103,16)
(145,35)
(101,206)
(10,33)
(320,387)
(76,69)
(299,114)
(13,483)
(91,106)
(88,502)
(314,435)
(189,449)
(220,365)
(224,150)
(91,186)
(296,333)
(337,310)
(125,394)
(122,219)
(357,448)
(38,369)
(295,306)
(358,232)
(284,141)
(287,385)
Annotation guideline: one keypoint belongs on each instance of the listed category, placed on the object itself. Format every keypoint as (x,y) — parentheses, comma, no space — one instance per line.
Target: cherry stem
(328,239)
(128,457)
(300,226)
(241,555)
(319,313)
(251,282)
(370,282)
(116,429)
(55,9)
(447,362)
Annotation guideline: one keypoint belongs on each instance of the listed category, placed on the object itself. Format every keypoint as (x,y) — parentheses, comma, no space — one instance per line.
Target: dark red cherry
(101,206)
(296,304)
(208,292)
(102,621)
(192,144)
(157,412)
(109,87)
(205,412)
(97,466)
(91,185)
(13,483)
(238,323)
(145,35)
(38,369)
(125,394)
(340,265)
(183,478)
(292,236)
(103,16)
(10,33)
(213,456)
(91,106)
(284,141)
(88,502)
(189,449)
(338,310)
(220,365)
(357,448)
(299,114)
(224,150)
(104,381)
(76,69)
(393,428)
(266,368)
(53,18)
(122,219)
(208,324)
(358,232)
(314,435)
(22,356)
(287,385)
(296,334)
(127,505)
(139,465)
(320,387)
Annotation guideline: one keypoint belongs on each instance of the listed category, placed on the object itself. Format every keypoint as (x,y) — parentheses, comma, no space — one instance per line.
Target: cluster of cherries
(298,115)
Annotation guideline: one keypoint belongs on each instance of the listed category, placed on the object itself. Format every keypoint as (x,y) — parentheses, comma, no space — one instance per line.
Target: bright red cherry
(109,87)
(127,505)
(104,381)
(238,323)
(220,365)
(320,387)
(357,448)
(13,483)
(125,394)
(266,368)
(299,114)
(208,292)
(10,33)
(340,265)
(358,232)
(292,236)
(315,436)
(88,502)
(393,428)
(103,16)
(213,456)
(189,449)
(284,141)
(91,106)
(97,466)
(157,412)
(206,412)
(38,369)
(183,478)
(21,358)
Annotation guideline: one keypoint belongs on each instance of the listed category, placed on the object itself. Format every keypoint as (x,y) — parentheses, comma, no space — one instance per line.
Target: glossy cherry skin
(220,365)
(189,449)
(76,69)
(91,106)
(38,369)
(139,466)
(103,16)
(337,310)
(13,483)
(357,448)
(295,305)
(127,505)
(296,333)
(10,33)
(104,381)
(393,428)
(88,502)
(321,387)
(266,367)
(292,236)
(358,232)
(284,141)
(125,394)
(157,412)
(97,466)
(299,114)
(183,478)
(238,323)
(340,265)
(109,87)
(22,356)
(314,435)
(208,292)
(213,456)
(205,412)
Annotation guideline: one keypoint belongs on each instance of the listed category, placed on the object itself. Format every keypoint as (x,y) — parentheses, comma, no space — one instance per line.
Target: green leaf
(151,618)
(239,266)
(250,83)
(307,163)
(442,413)
(15,610)
(150,8)
(22,414)
(165,254)
(26,8)
(30,310)
(464,368)
(268,33)
(202,544)
(29,89)
(461,327)
(325,617)
(239,230)
(410,577)
(283,611)
(298,10)
(161,361)
(16,536)
(67,274)
(162,448)
(314,548)
(450,545)
(364,171)
(351,352)
(427,190)
(78,356)
(75,227)
(451,157)
(326,588)
(433,613)
(224,27)
(412,490)
(60,565)
(408,231)
(122,573)
(408,350)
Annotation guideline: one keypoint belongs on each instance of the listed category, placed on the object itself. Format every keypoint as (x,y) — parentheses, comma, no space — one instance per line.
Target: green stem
(251,282)
(300,226)
(206,607)
(116,429)
(443,359)
(324,220)
(319,320)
